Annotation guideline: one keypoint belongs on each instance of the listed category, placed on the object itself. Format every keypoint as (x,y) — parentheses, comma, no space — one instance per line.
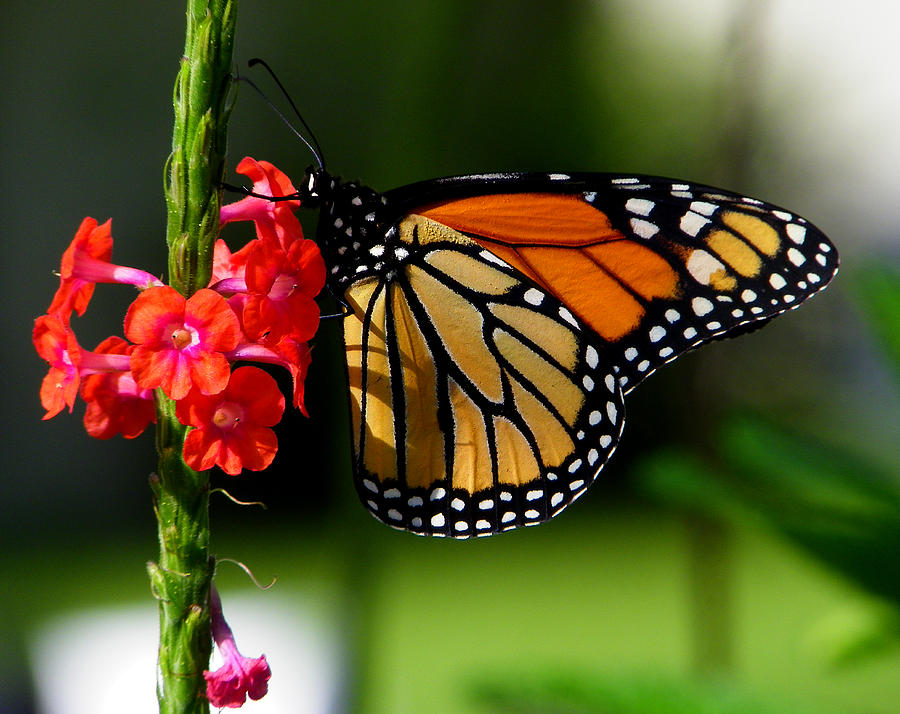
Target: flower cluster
(260,306)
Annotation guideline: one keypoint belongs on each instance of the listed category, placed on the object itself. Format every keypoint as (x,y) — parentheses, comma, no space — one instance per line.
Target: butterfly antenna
(317,151)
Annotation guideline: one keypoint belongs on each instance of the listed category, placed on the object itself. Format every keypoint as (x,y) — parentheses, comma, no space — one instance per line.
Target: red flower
(274,220)
(227,265)
(297,358)
(281,287)
(239,676)
(292,355)
(179,343)
(86,262)
(115,404)
(55,342)
(232,426)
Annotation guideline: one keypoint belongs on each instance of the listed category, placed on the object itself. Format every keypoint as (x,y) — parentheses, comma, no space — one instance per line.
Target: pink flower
(294,356)
(239,677)
(86,262)
(115,403)
(232,427)
(55,342)
(274,220)
(179,343)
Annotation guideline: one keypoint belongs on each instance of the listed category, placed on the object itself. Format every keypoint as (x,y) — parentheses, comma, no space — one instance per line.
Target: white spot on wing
(692,223)
(491,258)
(795,232)
(703,208)
(703,265)
(796,257)
(611,412)
(644,229)
(533,296)
(701,306)
(639,206)
(567,316)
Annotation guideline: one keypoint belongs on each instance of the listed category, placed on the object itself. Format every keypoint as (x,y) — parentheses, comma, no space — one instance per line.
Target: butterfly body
(498,319)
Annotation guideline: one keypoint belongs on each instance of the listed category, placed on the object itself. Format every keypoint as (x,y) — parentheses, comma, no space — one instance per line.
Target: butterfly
(496,321)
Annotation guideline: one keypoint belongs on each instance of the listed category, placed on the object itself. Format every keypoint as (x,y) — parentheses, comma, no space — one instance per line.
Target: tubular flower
(115,403)
(294,356)
(274,220)
(239,677)
(297,357)
(227,265)
(55,342)
(281,290)
(86,263)
(179,343)
(232,427)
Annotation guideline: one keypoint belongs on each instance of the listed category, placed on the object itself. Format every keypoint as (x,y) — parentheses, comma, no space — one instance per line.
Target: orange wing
(653,272)
(569,248)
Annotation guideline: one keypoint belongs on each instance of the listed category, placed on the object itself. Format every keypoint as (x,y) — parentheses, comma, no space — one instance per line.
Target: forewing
(653,266)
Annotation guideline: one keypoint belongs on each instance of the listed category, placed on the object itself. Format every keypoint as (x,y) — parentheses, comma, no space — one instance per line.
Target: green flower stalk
(194,173)
(175,367)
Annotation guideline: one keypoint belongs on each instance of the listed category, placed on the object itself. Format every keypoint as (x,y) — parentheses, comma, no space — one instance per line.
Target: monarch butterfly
(495,322)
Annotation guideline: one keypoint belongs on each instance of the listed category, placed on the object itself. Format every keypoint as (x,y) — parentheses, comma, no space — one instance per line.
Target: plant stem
(194,173)
(196,166)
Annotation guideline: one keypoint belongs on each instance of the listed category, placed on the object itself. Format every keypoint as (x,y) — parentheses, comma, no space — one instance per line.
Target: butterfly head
(317,187)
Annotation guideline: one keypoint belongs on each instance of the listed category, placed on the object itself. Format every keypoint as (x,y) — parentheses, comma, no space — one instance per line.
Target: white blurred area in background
(103,661)
(827,86)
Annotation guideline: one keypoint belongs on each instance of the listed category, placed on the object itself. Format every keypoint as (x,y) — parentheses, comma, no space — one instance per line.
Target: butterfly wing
(478,402)
(491,343)
(653,266)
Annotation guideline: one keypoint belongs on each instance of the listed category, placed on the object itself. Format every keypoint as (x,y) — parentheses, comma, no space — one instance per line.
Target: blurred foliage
(834,502)
(876,286)
(567,693)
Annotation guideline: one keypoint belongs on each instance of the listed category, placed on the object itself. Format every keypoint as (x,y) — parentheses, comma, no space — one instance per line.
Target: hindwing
(479,403)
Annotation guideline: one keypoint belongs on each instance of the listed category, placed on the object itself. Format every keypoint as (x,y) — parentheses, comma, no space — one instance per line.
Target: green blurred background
(741,552)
